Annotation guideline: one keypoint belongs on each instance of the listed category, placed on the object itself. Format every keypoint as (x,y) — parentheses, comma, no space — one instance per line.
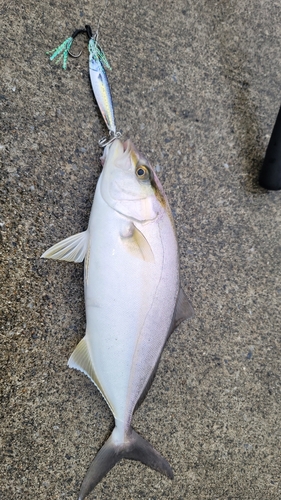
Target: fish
(133,298)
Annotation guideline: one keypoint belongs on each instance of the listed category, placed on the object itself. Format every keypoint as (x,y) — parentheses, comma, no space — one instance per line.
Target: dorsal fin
(183,309)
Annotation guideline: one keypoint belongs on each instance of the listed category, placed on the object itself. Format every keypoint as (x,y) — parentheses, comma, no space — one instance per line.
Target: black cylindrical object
(270,174)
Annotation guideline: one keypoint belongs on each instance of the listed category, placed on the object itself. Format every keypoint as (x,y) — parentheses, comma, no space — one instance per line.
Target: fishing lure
(97,64)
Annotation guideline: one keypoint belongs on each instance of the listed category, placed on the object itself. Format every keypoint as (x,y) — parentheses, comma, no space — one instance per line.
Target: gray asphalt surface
(196,86)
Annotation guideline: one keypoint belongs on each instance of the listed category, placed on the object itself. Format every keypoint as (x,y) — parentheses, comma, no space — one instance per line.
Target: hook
(75,55)
(105,141)
(74,35)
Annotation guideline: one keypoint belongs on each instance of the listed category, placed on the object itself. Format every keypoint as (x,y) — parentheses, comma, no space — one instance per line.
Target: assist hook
(88,31)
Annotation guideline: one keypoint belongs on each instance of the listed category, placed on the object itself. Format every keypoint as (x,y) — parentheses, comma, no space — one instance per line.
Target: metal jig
(98,77)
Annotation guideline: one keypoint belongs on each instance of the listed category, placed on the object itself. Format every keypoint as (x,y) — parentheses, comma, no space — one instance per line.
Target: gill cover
(124,187)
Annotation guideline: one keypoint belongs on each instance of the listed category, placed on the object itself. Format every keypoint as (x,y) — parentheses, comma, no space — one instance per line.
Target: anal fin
(81,360)
(183,310)
(72,249)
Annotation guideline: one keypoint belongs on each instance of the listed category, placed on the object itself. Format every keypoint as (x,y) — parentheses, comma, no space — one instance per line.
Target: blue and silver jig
(100,86)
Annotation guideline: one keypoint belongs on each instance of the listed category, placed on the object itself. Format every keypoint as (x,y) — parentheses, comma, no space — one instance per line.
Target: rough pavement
(196,86)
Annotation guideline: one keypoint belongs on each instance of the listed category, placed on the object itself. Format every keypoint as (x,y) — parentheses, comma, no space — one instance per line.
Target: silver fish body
(132,296)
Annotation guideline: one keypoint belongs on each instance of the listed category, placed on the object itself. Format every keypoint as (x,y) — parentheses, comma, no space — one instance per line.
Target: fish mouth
(127,147)
(119,150)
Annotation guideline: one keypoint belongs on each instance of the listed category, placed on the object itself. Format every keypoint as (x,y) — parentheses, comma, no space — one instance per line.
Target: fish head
(129,183)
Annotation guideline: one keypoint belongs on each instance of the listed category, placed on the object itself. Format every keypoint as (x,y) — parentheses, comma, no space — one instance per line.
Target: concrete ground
(196,85)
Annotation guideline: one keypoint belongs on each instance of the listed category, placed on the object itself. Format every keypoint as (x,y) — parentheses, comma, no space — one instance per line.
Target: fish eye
(142,173)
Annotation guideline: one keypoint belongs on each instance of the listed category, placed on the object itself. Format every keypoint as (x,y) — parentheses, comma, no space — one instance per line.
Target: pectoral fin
(136,243)
(72,249)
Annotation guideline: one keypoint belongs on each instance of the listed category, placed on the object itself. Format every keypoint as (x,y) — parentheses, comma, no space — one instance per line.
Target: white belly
(129,303)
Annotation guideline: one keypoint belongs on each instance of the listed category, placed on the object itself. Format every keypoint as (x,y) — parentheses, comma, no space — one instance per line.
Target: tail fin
(134,447)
